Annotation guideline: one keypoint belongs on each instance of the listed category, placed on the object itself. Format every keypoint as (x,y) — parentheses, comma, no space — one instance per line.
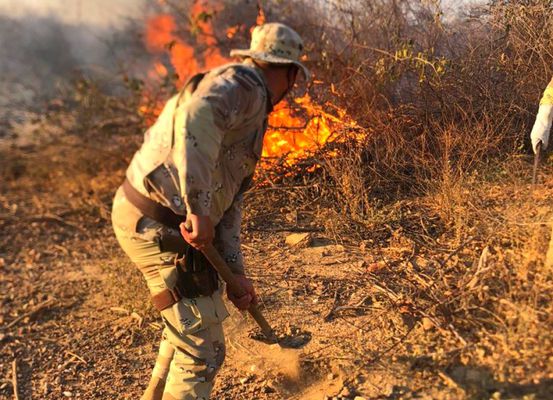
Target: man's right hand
(201,231)
(248,296)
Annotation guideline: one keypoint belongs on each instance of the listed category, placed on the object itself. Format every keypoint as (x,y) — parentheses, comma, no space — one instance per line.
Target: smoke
(44,47)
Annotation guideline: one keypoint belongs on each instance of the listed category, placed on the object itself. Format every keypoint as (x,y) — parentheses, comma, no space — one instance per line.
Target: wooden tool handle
(537,159)
(234,286)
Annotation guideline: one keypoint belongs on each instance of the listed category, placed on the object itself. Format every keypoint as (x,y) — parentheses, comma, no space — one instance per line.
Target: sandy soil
(76,321)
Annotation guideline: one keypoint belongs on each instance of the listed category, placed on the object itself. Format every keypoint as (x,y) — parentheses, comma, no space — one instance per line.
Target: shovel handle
(213,256)
(537,160)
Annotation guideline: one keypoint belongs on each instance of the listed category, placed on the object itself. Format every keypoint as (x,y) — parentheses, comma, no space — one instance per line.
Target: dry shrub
(438,98)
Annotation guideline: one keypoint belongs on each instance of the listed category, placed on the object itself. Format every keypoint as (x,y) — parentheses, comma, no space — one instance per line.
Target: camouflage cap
(275,43)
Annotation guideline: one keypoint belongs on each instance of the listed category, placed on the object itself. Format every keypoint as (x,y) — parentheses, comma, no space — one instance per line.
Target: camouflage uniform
(198,158)
(217,141)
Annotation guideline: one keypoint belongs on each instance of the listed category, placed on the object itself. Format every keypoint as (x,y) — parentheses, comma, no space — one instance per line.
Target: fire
(232,31)
(260,14)
(293,136)
(186,58)
(296,129)
(159,33)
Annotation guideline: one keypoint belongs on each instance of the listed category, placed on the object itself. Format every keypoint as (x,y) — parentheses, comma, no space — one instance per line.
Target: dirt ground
(369,318)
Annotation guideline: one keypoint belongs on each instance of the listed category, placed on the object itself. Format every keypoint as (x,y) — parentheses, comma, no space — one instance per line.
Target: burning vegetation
(297,128)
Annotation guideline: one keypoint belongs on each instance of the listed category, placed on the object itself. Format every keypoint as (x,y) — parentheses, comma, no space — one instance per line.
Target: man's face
(288,80)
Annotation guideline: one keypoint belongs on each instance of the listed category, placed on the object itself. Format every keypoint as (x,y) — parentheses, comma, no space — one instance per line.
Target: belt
(152,209)
(166,298)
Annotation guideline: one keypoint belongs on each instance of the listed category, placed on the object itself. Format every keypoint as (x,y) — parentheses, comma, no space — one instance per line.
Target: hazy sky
(106,12)
(90,12)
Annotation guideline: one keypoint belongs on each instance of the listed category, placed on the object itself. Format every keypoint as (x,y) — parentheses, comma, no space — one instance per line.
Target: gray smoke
(45,46)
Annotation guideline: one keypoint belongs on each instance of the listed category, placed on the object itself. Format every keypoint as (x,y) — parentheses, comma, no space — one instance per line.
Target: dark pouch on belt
(195,275)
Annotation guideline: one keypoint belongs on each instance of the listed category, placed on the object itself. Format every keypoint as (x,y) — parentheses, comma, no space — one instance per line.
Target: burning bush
(404,98)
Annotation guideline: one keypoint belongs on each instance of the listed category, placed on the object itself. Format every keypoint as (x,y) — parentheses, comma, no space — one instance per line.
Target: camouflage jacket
(201,153)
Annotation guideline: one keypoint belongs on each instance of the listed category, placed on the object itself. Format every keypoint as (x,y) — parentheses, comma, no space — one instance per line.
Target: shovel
(213,256)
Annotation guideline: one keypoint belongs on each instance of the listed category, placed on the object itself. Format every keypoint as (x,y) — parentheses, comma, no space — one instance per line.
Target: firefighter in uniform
(195,163)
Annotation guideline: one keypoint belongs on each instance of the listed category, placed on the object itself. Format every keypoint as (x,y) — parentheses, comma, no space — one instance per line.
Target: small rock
(68,394)
(330,376)
(267,388)
(376,266)
(296,238)
(427,324)
(359,398)
(245,379)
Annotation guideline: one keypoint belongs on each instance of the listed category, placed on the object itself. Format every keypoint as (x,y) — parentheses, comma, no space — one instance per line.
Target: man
(540,134)
(196,162)
(542,126)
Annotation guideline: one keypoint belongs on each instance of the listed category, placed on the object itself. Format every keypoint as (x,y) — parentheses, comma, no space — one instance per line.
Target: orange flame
(260,14)
(295,137)
(295,130)
(232,31)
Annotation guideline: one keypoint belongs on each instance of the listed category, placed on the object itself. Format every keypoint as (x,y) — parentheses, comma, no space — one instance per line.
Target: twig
(76,356)
(247,350)
(482,267)
(155,325)
(290,229)
(40,218)
(457,335)
(333,308)
(457,250)
(66,363)
(139,320)
(356,306)
(29,313)
(450,382)
(249,247)
(14,379)
(304,356)
(120,310)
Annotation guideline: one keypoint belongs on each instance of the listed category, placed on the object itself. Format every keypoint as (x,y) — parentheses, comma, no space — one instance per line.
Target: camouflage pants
(192,349)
